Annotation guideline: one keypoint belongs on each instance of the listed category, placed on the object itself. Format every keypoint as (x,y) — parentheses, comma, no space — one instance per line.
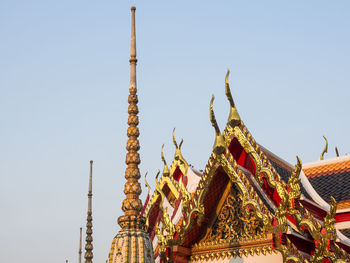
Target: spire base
(132,222)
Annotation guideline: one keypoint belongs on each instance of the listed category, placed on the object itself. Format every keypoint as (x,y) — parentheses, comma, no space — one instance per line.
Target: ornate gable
(232,223)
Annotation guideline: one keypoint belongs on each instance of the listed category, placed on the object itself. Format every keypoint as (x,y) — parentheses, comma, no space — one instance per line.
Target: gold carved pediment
(231,223)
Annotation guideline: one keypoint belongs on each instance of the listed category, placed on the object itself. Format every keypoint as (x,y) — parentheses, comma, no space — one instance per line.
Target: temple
(247,205)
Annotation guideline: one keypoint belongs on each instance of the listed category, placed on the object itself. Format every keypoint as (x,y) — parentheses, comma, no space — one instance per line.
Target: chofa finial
(325,149)
(219,144)
(174,140)
(233,119)
(178,155)
(166,171)
(147,185)
(336,151)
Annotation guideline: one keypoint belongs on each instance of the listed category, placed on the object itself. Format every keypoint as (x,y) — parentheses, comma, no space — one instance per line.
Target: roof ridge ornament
(147,185)
(178,155)
(219,144)
(234,119)
(325,149)
(336,151)
(166,171)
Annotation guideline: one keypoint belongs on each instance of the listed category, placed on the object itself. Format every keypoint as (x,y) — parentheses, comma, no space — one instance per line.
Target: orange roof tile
(343,204)
(327,168)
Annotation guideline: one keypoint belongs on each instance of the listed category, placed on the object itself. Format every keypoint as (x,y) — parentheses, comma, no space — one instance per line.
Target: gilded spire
(132,204)
(88,246)
(80,244)
(132,243)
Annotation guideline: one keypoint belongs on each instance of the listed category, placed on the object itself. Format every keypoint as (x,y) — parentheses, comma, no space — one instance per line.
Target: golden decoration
(325,149)
(265,169)
(147,185)
(178,158)
(219,144)
(233,119)
(243,214)
(232,253)
(166,171)
(290,253)
(167,223)
(233,223)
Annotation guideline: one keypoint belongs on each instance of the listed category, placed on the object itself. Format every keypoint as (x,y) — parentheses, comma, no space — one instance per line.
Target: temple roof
(331,177)
(187,207)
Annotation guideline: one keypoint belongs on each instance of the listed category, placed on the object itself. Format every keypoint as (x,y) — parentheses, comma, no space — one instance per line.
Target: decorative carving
(294,186)
(290,253)
(287,193)
(233,223)
(235,175)
(232,253)
(168,224)
(243,213)
(323,236)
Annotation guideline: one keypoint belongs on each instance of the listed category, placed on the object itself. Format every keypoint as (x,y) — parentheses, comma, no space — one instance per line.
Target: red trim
(177,173)
(177,204)
(145,205)
(342,217)
(242,158)
(303,245)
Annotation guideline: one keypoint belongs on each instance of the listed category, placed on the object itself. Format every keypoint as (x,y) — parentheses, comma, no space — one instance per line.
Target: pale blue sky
(64,77)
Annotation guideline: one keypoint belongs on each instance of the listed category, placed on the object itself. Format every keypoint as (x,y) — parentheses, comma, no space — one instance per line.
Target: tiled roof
(331,178)
(345,232)
(328,169)
(337,185)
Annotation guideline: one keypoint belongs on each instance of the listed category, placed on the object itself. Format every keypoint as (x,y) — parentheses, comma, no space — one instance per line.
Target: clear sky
(64,76)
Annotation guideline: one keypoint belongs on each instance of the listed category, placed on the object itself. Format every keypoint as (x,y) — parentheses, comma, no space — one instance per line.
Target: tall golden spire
(132,243)
(80,244)
(88,246)
(132,204)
